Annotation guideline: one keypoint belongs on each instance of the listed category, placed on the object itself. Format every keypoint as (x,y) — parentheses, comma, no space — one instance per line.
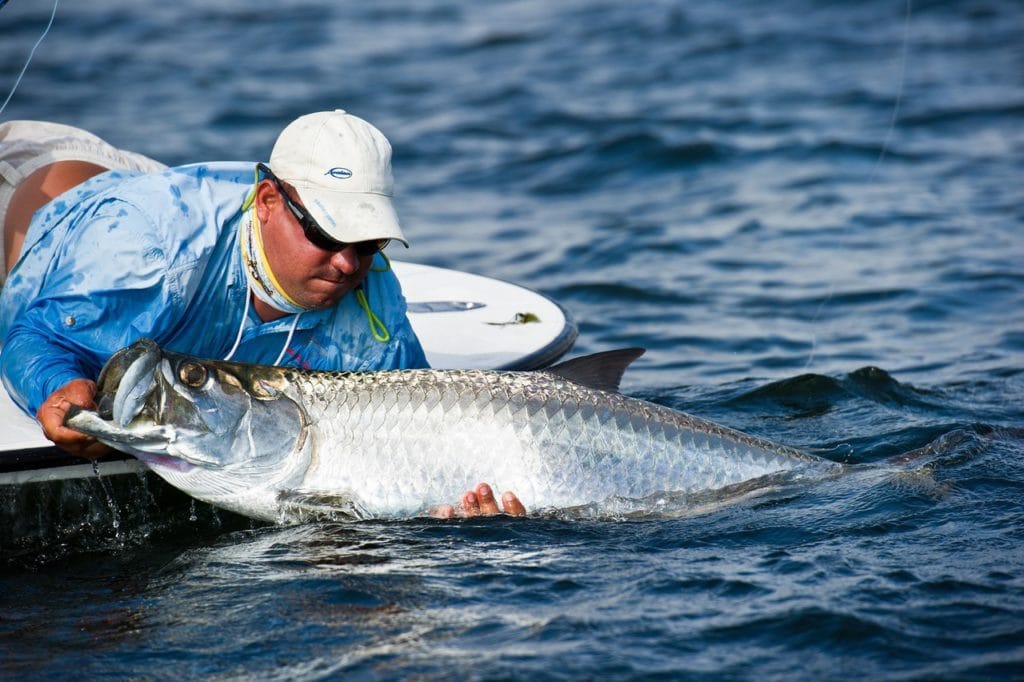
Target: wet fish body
(255,439)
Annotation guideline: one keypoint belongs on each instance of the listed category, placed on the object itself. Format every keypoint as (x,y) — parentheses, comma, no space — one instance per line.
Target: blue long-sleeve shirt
(125,256)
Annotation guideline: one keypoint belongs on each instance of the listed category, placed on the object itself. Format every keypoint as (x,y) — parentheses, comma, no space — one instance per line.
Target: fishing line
(878,162)
(899,93)
(814,321)
(21,75)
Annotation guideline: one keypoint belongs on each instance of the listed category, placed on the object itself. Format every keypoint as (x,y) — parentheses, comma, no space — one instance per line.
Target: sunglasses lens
(314,233)
(369,248)
(317,237)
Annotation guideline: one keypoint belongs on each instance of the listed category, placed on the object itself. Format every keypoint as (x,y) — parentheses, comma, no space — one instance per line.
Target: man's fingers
(480,502)
(78,443)
(488,505)
(470,505)
(51,418)
(52,412)
(444,511)
(511,504)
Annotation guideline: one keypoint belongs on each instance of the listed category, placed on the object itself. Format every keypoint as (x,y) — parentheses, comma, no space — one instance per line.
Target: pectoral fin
(301,506)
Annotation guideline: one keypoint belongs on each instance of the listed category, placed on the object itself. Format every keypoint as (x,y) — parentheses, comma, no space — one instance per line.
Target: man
(273,264)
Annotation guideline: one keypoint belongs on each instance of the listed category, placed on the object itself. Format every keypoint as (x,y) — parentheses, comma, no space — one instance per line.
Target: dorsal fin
(602,371)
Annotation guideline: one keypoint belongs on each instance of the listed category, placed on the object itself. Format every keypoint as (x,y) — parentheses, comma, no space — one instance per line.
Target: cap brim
(352,216)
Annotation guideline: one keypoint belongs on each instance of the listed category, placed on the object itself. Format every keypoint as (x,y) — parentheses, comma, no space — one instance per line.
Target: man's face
(311,276)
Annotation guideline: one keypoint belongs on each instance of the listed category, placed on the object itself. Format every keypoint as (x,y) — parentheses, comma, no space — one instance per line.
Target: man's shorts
(27,146)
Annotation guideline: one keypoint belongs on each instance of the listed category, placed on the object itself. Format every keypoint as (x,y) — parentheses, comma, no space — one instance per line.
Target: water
(809,213)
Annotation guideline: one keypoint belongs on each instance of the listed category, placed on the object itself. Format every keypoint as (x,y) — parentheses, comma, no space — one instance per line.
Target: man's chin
(326,294)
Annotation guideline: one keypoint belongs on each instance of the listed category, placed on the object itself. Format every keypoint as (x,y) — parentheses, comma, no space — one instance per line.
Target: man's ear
(267,199)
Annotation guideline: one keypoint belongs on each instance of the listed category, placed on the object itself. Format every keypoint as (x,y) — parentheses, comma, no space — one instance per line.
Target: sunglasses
(316,234)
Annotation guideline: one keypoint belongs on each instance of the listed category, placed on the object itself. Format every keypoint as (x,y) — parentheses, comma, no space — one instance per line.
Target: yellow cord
(383,335)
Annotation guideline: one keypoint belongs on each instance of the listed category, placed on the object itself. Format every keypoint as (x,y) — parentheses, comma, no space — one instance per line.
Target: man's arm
(45,379)
(71,304)
(37,361)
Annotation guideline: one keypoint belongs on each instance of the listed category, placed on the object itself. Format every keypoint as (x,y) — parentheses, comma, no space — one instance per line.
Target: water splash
(115,511)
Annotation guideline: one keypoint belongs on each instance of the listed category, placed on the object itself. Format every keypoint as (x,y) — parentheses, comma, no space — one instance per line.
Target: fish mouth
(133,397)
(126,381)
(141,437)
(138,387)
(141,440)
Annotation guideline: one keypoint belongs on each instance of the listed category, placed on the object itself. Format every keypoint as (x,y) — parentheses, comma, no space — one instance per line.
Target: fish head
(211,428)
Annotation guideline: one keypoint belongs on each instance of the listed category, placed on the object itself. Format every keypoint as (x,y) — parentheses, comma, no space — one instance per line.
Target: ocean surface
(810,213)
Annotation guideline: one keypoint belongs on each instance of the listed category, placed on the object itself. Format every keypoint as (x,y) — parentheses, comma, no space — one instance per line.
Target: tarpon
(255,439)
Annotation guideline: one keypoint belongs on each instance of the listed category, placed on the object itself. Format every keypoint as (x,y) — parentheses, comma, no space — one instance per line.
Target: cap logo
(339,173)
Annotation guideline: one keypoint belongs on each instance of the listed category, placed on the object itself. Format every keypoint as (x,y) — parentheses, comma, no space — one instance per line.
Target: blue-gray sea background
(810,213)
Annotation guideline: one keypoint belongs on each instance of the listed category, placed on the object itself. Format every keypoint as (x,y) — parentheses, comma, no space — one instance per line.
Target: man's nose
(346,260)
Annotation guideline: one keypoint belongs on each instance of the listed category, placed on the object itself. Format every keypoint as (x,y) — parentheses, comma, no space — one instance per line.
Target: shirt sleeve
(107,284)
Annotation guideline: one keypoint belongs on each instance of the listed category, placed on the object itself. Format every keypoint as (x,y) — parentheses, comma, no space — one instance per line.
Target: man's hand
(480,502)
(51,415)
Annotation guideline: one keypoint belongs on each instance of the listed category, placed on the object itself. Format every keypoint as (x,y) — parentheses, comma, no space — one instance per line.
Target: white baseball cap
(341,167)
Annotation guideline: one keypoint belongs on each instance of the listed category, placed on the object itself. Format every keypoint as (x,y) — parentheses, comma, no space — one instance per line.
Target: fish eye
(192,374)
